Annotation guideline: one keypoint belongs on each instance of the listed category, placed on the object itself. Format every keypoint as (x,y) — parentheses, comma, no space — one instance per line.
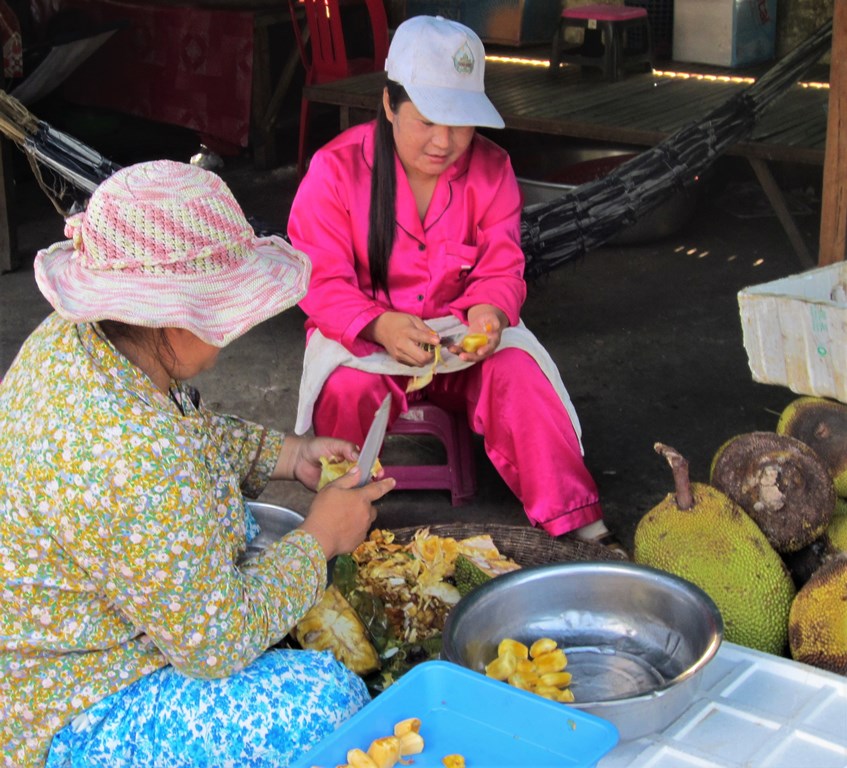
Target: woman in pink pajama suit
(412,223)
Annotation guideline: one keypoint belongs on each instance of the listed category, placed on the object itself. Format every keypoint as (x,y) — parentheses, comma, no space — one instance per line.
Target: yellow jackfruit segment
(411,743)
(518,650)
(358,759)
(385,751)
(410,724)
(543,645)
(388,751)
(538,669)
(473,341)
(332,469)
(552,661)
(453,761)
(501,667)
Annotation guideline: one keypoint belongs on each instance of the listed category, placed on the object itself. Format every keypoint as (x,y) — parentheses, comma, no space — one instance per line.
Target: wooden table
(640,110)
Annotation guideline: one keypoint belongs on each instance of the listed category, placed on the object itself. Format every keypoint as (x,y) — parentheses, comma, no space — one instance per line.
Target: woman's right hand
(403,337)
(341,514)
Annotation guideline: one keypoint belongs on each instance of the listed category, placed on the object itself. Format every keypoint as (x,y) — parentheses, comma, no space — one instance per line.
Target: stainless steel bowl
(637,639)
(274,522)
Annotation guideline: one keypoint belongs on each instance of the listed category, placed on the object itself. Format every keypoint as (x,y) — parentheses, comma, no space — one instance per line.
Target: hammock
(588,215)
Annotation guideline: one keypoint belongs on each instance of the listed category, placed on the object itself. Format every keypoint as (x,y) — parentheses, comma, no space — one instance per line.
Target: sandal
(610,541)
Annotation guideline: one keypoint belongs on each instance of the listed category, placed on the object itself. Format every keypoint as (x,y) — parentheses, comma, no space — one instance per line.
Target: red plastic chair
(325,57)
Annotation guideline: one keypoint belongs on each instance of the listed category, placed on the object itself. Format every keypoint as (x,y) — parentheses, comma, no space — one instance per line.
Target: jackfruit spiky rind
(822,425)
(836,533)
(718,547)
(471,570)
(817,622)
(780,482)
(468,576)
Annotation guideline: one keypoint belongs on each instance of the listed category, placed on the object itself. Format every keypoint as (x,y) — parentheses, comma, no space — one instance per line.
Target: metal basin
(637,639)
(548,167)
(274,522)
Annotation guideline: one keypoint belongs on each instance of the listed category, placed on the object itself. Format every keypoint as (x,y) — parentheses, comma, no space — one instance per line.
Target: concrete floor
(647,338)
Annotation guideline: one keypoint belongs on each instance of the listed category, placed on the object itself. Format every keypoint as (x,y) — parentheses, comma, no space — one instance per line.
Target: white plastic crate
(795,332)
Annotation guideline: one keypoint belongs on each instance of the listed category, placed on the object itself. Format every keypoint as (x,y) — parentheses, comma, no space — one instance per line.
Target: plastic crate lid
(492,724)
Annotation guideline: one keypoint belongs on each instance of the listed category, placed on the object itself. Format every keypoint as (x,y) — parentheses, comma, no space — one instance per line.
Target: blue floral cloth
(268,714)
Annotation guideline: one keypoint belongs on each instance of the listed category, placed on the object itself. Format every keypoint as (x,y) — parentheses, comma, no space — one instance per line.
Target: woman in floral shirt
(128,633)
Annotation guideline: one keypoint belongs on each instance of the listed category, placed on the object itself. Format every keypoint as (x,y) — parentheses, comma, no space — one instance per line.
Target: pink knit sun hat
(165,244)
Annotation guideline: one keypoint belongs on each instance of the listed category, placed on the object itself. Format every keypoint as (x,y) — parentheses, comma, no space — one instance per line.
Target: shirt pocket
(455,262)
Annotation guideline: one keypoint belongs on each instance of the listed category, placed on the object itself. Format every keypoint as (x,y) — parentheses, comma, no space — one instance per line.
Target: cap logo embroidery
(463,60)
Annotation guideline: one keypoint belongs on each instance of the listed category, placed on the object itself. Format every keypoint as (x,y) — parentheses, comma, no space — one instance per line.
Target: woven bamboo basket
(525,545)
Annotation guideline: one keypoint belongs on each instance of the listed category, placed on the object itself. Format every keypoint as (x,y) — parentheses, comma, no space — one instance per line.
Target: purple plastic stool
(451,428)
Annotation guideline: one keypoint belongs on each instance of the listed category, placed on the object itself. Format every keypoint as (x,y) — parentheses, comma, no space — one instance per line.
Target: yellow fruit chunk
(542,645)
(502,667)
(552,661)
(385,751)
(473,341)
(411,743)
(356,758)
(453,761)
(515,648)
(537,668)
(526,682)
(410,724)
(557,679)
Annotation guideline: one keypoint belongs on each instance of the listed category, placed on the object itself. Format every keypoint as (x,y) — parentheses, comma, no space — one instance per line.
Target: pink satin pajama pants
(528,434)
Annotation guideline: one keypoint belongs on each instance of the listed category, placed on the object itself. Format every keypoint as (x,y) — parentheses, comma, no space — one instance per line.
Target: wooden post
(9,256)
(833,236)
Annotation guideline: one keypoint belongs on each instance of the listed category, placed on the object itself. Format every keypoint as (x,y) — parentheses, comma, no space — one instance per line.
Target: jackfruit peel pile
(766,538)
(388,601)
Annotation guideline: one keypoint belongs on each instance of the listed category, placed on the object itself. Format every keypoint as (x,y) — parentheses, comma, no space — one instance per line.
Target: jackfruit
(332,469)
(333,625)
(817,622)
(804,562)
(472,572)
(780,482)
(701,535)
(473,341)
(822,425)
(836,533)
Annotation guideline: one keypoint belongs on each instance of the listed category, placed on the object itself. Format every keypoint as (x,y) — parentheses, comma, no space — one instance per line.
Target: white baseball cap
(441,65)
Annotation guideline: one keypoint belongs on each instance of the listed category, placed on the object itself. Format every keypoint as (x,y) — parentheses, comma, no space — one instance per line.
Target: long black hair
(382,221)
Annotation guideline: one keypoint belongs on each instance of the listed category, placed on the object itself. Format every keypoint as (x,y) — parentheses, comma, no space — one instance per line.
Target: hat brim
(454,106)
(216,308)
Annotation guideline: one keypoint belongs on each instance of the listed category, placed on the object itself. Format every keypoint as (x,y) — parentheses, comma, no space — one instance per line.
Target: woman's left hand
(307,465)
(485,319)
(300,457)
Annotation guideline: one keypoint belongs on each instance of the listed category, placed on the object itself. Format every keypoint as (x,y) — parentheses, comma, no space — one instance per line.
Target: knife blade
(373,442)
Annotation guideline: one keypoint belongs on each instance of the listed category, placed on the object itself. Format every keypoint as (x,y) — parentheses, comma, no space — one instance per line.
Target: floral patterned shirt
(121,520)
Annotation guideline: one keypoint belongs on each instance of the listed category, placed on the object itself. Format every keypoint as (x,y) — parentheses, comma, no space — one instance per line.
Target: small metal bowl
(274,522)
(637,639)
